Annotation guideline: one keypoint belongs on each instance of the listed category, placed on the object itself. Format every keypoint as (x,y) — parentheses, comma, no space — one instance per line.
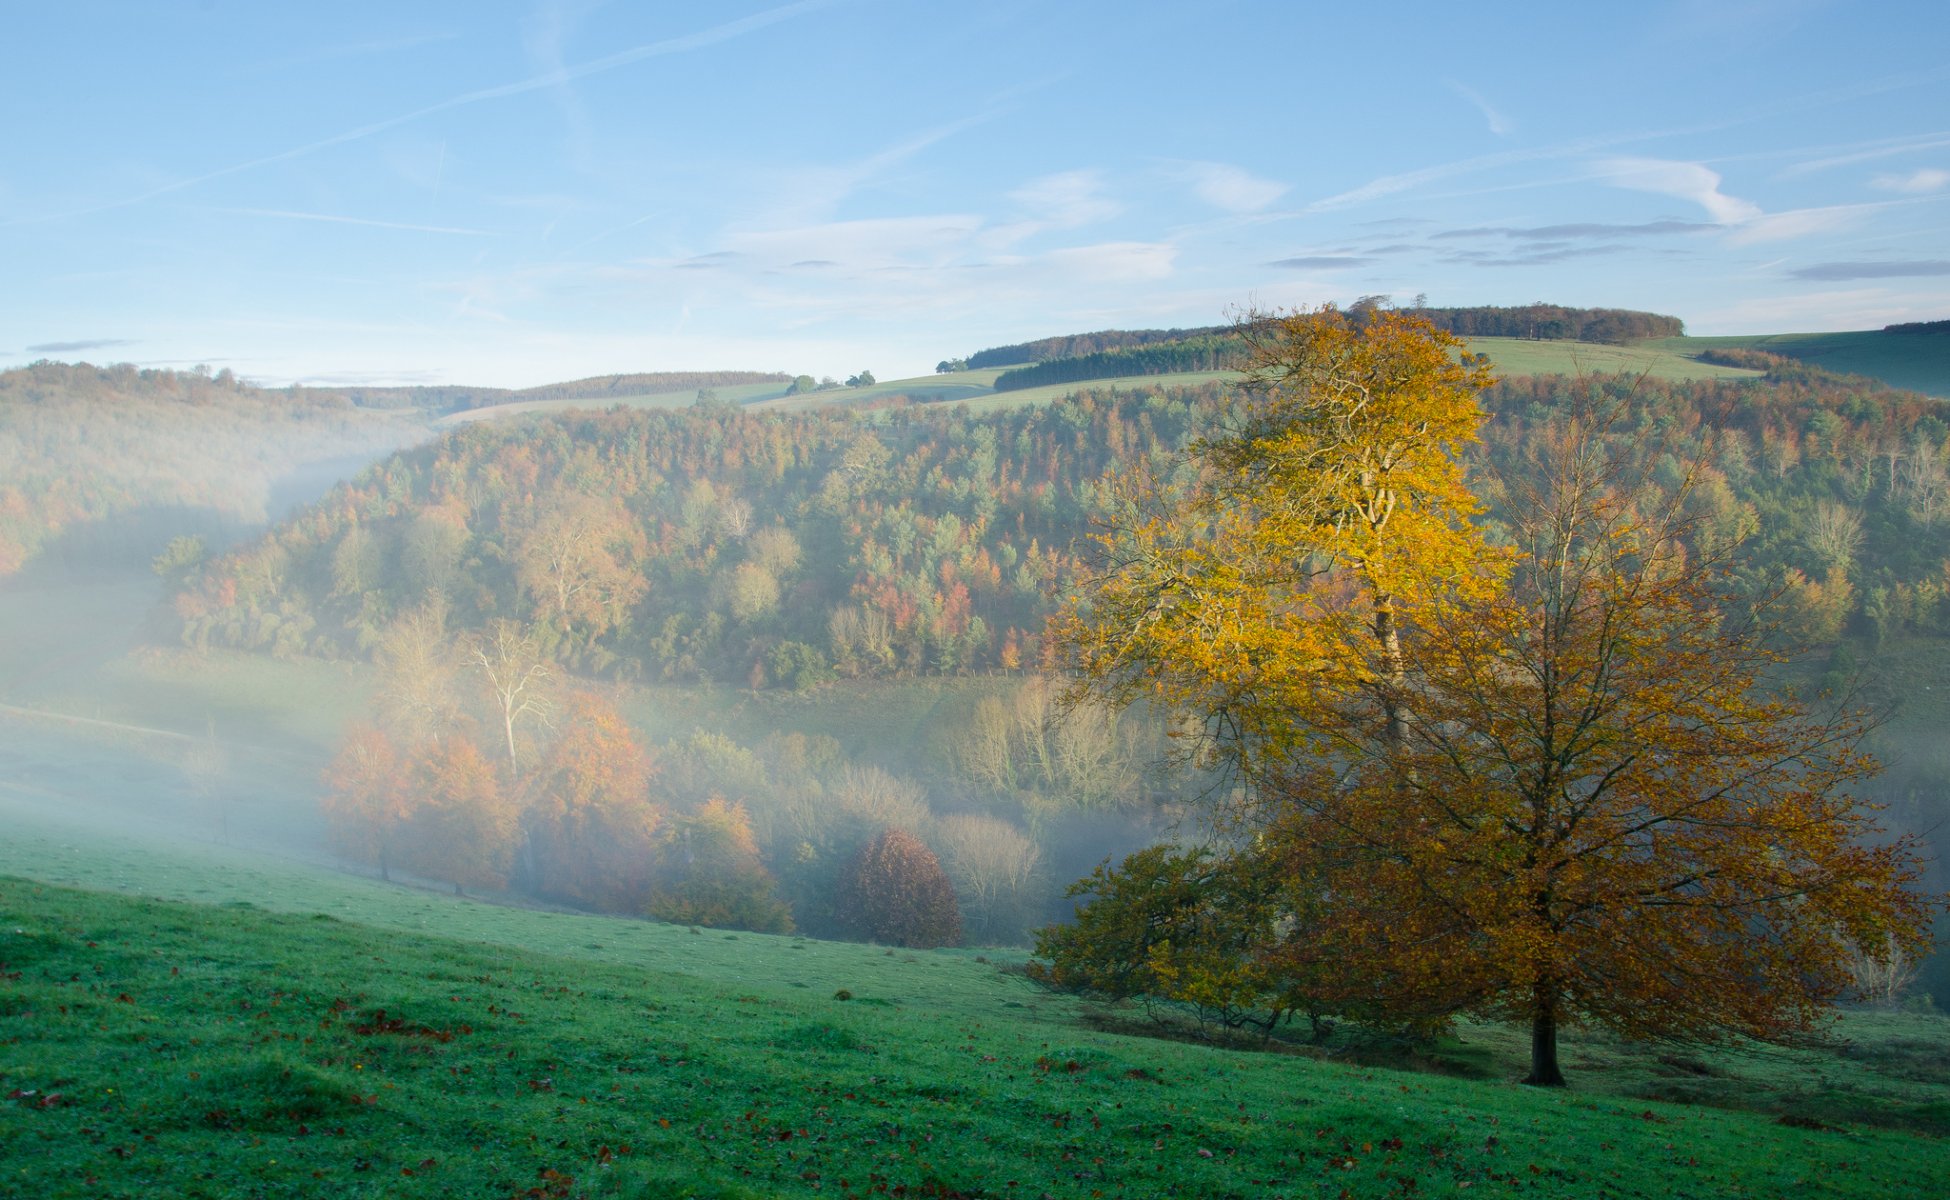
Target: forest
(188,452)
(487,573)
(784,549)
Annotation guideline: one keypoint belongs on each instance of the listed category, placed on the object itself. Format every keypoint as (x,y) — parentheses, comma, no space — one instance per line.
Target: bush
(895,892)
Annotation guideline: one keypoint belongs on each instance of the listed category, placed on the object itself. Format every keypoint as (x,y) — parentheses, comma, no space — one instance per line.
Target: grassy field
(1520,356)
(1917,361)
(296,1032)
(1512,356)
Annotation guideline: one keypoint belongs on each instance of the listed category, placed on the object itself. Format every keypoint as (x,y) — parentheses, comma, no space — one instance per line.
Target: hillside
(105,463)
(1919,361)
(255,1038)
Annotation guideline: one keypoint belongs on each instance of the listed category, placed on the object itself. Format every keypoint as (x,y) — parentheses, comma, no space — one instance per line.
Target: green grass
(295,1031)
(1520,356)
(1917,361)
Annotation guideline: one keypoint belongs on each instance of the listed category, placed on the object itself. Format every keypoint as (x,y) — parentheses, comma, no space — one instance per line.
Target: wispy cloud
(1870,152)
(1917,183)
(1835,272)
(1227,187)
(1582,229)
(1801,222)
(1682,181)
(1389,185)
(1067,200)
(1498,123)
(1320,262)
(85,344)
(1814,311)
(548,79)
(279,214)
(810,194)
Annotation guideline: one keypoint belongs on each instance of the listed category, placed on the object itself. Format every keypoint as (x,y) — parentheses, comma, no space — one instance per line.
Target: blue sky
(517,193)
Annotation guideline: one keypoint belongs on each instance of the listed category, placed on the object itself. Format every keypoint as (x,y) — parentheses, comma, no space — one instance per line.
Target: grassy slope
(238,1046)
(1920,362)
(1518,356)
(1512,356)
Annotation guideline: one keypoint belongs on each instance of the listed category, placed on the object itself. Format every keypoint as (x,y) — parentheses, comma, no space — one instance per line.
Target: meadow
(206,1021)
(1920,362)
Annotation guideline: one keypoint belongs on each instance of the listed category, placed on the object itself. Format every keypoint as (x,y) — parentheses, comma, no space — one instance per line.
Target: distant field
(1920,362)
(1511,356)
(1520,356)
(744,393)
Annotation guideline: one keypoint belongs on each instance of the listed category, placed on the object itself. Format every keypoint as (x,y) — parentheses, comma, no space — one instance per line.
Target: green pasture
(1522,356)
(1920,362)
(289,1031)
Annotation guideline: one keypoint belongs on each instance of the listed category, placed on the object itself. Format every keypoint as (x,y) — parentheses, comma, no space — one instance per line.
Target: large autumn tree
(1274,580)
(1547,785)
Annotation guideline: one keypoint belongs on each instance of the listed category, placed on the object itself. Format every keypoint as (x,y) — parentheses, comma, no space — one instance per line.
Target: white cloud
(1682,181)
(1231,188)
(1916,183)
(1115,262)
(1819,312)
(1067,200)
(865,244)
(1799,223)
(279,214)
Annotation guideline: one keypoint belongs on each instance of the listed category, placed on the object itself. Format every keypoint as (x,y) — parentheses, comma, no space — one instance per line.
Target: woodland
(510,582)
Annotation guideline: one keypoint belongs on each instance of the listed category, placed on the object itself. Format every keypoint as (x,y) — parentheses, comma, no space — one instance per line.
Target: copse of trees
(766,549)
(1205,352)
(1553,322)
(1077,345)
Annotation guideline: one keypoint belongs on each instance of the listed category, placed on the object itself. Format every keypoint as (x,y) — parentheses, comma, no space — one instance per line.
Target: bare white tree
(993,867)
(1835,534)
(509,658)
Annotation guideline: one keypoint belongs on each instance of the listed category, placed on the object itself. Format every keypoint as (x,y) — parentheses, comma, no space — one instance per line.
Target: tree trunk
(1394,670)
(1543,1040)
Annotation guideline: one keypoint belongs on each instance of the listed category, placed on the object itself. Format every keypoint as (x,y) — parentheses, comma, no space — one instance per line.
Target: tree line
(1224,351)
(448,398)
(1554,322)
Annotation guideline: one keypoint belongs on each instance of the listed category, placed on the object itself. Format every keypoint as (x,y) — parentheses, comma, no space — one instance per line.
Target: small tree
(709,873)
(1178,930)
(589,823)
(896,892)
(459,824)
(364,801)
(993,867)
(516,677)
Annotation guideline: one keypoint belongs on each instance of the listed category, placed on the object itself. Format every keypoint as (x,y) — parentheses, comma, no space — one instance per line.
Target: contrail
(677,45)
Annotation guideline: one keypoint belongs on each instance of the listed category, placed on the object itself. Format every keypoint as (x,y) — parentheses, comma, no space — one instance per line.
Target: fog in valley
(736,802)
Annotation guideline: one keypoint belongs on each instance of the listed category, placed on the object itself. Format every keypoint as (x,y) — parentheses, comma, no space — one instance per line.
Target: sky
(517,193)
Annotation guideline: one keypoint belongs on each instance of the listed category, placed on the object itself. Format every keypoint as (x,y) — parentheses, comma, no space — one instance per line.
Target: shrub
(895,891)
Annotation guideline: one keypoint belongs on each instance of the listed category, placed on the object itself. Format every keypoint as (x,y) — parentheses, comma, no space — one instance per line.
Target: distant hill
(1916,357)
(1545,322)
(601,388)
